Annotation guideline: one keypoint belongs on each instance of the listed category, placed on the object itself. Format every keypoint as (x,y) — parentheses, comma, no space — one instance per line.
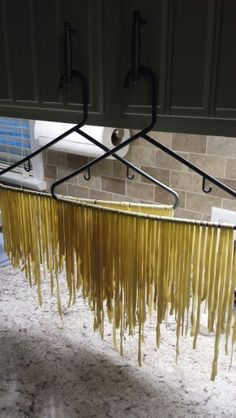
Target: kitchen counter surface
(50,371)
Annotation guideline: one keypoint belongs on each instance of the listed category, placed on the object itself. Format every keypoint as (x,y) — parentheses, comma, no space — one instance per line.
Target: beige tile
(158,173)
(142,155)
(50,171)
(201,203)
(63,172)
(231,168)
(186,181)
(216,191)
(61,189)
(189,143)
(119,170)
(163,197)
(164,160)
(140,191)
(219,145)
(76,191)
(187,214)
(93,183)
(229,204)
(113,185)
(100,195)
(212,164)
(138,142)
(103,168)
(164,138)
(75,161)
(56,158)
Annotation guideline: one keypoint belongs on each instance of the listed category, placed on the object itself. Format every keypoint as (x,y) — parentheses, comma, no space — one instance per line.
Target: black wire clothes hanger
(67,79)
(133,77)
(144,71)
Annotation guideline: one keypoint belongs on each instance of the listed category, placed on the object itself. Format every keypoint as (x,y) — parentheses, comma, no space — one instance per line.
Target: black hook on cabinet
(129,176)
(87,177)
(204,188)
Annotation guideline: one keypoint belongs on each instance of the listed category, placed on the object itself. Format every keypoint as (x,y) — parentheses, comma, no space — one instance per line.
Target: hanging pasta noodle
(127,260)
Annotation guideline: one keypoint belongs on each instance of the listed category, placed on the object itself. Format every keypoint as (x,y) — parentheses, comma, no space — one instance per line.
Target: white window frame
(33,180)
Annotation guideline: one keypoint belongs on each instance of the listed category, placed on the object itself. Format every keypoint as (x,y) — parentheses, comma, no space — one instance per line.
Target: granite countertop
(50,371)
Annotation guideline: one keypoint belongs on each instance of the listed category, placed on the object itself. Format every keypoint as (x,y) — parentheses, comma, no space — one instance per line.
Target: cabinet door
(32,57)
(129,103)
(175,42)
(224,76)
(187,69)
(189,44)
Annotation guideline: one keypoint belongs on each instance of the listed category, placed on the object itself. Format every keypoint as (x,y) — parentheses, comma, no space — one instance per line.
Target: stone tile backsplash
(216,155)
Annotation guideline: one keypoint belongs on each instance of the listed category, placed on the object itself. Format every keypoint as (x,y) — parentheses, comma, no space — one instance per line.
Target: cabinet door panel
(32,58)
(187,57)
(4,61)
(85,19)
(19,51)
(225,91)
(48,15)
(136,99)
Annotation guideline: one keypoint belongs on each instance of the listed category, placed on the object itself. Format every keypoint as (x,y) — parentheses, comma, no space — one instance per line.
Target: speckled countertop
(50,371)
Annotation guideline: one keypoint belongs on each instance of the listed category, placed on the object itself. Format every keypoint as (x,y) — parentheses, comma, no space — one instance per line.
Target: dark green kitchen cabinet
(32,57)
(189,44)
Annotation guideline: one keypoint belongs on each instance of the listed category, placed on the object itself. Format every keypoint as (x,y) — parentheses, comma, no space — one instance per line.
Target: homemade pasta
(127,260)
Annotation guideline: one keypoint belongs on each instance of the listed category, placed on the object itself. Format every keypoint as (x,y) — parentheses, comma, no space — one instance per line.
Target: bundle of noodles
(125,262)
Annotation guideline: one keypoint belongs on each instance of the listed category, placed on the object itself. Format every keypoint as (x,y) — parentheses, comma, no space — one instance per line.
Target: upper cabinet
(224,73)
(32,57)
(188,44)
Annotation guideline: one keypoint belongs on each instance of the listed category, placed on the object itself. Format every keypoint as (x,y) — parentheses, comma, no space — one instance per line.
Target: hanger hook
(87,177)
(27,166)
(204,188)
(129,176)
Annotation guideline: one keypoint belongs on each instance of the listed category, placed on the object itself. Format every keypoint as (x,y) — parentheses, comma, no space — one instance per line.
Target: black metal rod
(68,54)
(136,46)
(193,167)
(62,136)
(123,160)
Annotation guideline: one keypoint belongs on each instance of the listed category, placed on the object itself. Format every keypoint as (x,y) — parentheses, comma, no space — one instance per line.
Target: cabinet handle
(136,44)
(68,53)
(68,58)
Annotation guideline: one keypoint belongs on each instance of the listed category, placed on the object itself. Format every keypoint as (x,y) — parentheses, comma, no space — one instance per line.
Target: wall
(216,155)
